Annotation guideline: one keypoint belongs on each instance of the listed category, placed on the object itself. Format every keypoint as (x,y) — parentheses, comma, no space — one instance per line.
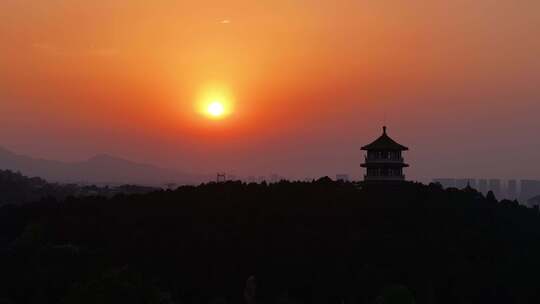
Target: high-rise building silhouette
(384,160)
(494,186)
(462,183)
(342,177)
(511,189)
(529,189)
(276,178)
(483,186)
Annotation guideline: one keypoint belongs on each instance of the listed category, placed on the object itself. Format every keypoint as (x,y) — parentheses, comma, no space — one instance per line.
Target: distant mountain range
(101,169)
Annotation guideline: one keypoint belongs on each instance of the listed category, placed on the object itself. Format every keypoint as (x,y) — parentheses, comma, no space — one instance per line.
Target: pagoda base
(399,178)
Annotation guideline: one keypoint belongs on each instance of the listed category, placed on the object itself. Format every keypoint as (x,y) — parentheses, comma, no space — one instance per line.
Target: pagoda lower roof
(384,165)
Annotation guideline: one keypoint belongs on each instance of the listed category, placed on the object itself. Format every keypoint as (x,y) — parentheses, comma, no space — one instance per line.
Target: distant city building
(529,189)
(494,185)
(535,201)
(342,177)
(483,186)
(446,182)
(221,177)
(511,190)
(276,178)
(462,183)
(171,186)
(507,189)
(384,161)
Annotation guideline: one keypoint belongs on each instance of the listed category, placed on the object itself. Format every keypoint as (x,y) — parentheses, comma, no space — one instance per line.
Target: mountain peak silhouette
(107,158)
(102,168)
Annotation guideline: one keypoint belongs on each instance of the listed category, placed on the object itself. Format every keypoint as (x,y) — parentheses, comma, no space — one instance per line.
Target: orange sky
(312,81)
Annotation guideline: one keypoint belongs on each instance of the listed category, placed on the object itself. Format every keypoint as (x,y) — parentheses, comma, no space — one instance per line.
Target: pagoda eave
(384,165)
(371,148)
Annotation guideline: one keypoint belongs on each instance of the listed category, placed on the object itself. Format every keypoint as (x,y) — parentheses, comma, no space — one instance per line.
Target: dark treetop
(320,242)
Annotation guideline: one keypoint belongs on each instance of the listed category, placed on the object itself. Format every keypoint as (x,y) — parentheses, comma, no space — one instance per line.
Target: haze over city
(269,151)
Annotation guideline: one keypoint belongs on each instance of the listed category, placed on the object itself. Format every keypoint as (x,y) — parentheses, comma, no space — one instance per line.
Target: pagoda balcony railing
(383,160)
(384,178)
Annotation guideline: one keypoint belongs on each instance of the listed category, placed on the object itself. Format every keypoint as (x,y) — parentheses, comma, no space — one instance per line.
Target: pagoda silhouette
(384,161)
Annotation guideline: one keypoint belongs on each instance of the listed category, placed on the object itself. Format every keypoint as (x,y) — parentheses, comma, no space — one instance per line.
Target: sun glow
(216,109)
(215,102)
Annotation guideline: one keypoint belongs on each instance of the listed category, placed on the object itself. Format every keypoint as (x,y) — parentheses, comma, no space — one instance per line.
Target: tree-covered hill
(320,242)
(16,188)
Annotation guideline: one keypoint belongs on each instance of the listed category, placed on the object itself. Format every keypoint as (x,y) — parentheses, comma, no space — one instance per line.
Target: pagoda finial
(384,129)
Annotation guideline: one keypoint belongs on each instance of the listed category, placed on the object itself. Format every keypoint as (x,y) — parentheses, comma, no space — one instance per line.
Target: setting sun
(215,102)
(216,109)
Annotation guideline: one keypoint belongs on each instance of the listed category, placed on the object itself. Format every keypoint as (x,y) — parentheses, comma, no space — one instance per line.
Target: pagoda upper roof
(384,142)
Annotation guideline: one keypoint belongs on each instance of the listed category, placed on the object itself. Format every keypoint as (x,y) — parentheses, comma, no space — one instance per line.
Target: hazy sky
(311,82)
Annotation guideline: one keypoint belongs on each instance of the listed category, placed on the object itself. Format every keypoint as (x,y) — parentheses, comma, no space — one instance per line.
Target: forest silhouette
(286,242)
